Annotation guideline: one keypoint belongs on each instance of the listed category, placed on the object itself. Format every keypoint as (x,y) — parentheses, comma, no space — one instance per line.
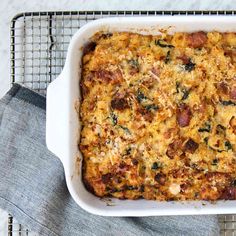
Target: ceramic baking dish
(62,128)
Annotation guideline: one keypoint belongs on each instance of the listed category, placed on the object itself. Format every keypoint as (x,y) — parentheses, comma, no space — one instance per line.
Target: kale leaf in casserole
(159,116)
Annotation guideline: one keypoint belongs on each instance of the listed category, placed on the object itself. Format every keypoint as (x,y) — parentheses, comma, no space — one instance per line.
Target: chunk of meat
(84,89)
(106,178)
(223,87)
(147,115)
(171,131)
(229,193)
(173,148)
(106,35)
(232,123)
(107,76)
(119,104)
(180,173)
(104,75)
(134,70)
(191,146)
(122,168)
(197,39)
(184,59)
(201,108)
(187,62)
(184,115)
(160,178)
(83,147)
(156,71)
(231,53)
(217,177)
(89,47)
(149,82)
(134,161)
(233,93)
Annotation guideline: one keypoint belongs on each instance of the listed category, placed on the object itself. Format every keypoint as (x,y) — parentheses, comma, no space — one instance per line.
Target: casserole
(158,116)
(62,122)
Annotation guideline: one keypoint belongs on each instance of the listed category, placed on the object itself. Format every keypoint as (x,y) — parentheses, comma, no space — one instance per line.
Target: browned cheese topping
(159,116)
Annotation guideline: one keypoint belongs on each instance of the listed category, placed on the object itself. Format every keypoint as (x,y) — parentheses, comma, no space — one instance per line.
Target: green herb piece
(112,189)
(134,63)
(106,35)
(220,129)
(163,44)
(125,129)
(134,66)
(217,150)
(151,107)
(114,119)
(128,151)
(194,165)
(177,86)
(228,145)
(134,161)
(168,58)
(107,188)
(183,90)
(141,170)
(228,103)
(205,128)
(140,96)
(156,165)
(206,140)
(189,66)
(185,94)
(128,187)
(233,183)
(142,188)
(215,162)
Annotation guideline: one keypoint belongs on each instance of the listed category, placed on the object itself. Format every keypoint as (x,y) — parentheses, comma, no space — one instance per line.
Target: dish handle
(55,117)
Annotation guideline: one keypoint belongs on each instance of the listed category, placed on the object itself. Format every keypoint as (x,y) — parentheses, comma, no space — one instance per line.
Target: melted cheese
(132,142)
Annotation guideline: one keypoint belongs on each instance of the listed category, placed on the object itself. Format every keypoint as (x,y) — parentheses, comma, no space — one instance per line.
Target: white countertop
(9,8)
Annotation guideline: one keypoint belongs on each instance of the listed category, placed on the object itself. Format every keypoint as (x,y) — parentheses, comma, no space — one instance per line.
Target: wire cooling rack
(39,42)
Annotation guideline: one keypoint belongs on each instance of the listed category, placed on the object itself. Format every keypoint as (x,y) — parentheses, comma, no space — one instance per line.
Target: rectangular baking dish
(62,124)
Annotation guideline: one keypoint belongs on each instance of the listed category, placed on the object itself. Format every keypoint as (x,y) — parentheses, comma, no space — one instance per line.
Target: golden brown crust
(159,116)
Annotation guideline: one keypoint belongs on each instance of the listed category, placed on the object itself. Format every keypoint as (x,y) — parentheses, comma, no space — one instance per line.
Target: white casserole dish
(62,128)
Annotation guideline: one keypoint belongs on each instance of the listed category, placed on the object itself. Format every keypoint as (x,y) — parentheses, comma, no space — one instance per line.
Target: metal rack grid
(39,42)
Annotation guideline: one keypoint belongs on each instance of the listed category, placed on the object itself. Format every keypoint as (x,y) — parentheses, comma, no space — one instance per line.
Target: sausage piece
(160,178)
(223,87)
(184,59)
(197,39)
(89,47)
(191,146)
(233,93)
(229,193)
(147,115)
(119,104)
(107,76)
(232,123)
(173,148)
(106,178)
(184,115)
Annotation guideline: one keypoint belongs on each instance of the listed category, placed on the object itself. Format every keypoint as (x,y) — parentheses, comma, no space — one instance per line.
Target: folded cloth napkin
(33,188)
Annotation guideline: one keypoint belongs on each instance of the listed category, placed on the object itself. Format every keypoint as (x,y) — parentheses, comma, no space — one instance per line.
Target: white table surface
(9,8)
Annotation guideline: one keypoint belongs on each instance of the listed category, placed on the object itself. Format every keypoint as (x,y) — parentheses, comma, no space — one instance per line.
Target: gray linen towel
(33,188)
